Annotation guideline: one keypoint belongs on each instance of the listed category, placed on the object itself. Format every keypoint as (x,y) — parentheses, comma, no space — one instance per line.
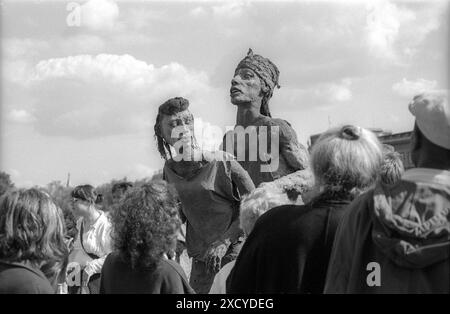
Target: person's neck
(91,216)
(247,114)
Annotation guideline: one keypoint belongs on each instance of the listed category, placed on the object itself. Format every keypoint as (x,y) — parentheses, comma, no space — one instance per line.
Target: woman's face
(80,206)
(246,86)
(178,127)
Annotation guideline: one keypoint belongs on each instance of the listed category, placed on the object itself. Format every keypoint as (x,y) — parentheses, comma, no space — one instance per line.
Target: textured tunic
(210,201)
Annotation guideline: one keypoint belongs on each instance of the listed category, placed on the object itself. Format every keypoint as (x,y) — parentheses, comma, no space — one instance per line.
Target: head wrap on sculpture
(263,67)
(267,71)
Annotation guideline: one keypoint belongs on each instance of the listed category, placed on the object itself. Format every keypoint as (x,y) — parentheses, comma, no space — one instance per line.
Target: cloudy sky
(82,80)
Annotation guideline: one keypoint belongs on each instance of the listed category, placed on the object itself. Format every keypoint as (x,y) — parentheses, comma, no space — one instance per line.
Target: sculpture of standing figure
(252,86)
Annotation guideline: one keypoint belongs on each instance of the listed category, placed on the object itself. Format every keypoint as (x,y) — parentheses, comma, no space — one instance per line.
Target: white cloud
(384,20)
(99,14)
(198,12)
(17,54)
(340,92)
(407,88)
(20,116)
(88,96)
(82,44)
(136,19)
(395,30)
(15,48)
(230,9)
(325,95)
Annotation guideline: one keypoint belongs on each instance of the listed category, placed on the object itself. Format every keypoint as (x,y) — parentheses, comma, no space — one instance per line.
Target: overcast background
(83,98)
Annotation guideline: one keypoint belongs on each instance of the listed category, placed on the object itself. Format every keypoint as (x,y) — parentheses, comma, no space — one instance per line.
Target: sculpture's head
(254,80)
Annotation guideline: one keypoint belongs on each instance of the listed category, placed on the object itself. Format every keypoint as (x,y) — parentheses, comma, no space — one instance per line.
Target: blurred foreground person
(289,248)
(210,186)
(145,228)
(392,168)
(397,239)
(92,244)
(33,254)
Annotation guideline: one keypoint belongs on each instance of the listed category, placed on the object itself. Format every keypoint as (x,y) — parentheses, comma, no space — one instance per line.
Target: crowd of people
(345,217)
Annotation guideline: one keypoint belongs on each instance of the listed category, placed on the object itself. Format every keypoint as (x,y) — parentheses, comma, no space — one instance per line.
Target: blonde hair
(346,158)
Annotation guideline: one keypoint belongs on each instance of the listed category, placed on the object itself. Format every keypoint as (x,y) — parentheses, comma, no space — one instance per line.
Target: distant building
(400,141)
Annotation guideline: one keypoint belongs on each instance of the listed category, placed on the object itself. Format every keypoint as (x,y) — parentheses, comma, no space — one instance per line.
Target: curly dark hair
(32,230)
(146,223)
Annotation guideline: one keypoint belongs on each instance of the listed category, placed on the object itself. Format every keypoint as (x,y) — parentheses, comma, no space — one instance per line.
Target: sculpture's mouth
(234,91)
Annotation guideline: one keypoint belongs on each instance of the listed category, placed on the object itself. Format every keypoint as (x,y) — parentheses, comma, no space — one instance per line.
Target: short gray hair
(347,157)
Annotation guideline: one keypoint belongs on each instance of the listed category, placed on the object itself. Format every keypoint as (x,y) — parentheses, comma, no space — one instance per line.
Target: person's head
(346,159)
(174,123)
(146,223)
(32,230)
(391,168)
(84,198)
(254,80)
(430,143)
(119,189)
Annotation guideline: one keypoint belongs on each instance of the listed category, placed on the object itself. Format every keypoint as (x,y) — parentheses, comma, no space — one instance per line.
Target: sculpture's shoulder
(286,131)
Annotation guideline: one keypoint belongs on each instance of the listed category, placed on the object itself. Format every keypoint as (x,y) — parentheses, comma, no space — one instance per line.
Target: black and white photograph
(224,152)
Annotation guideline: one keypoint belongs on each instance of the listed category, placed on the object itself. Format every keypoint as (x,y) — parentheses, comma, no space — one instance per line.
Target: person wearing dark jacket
(33,254)
(145,227)
(396,238)
(167,278)
(289,248)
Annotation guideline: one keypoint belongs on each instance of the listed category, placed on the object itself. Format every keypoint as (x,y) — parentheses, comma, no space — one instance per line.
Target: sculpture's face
(246,87)
(178,127)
